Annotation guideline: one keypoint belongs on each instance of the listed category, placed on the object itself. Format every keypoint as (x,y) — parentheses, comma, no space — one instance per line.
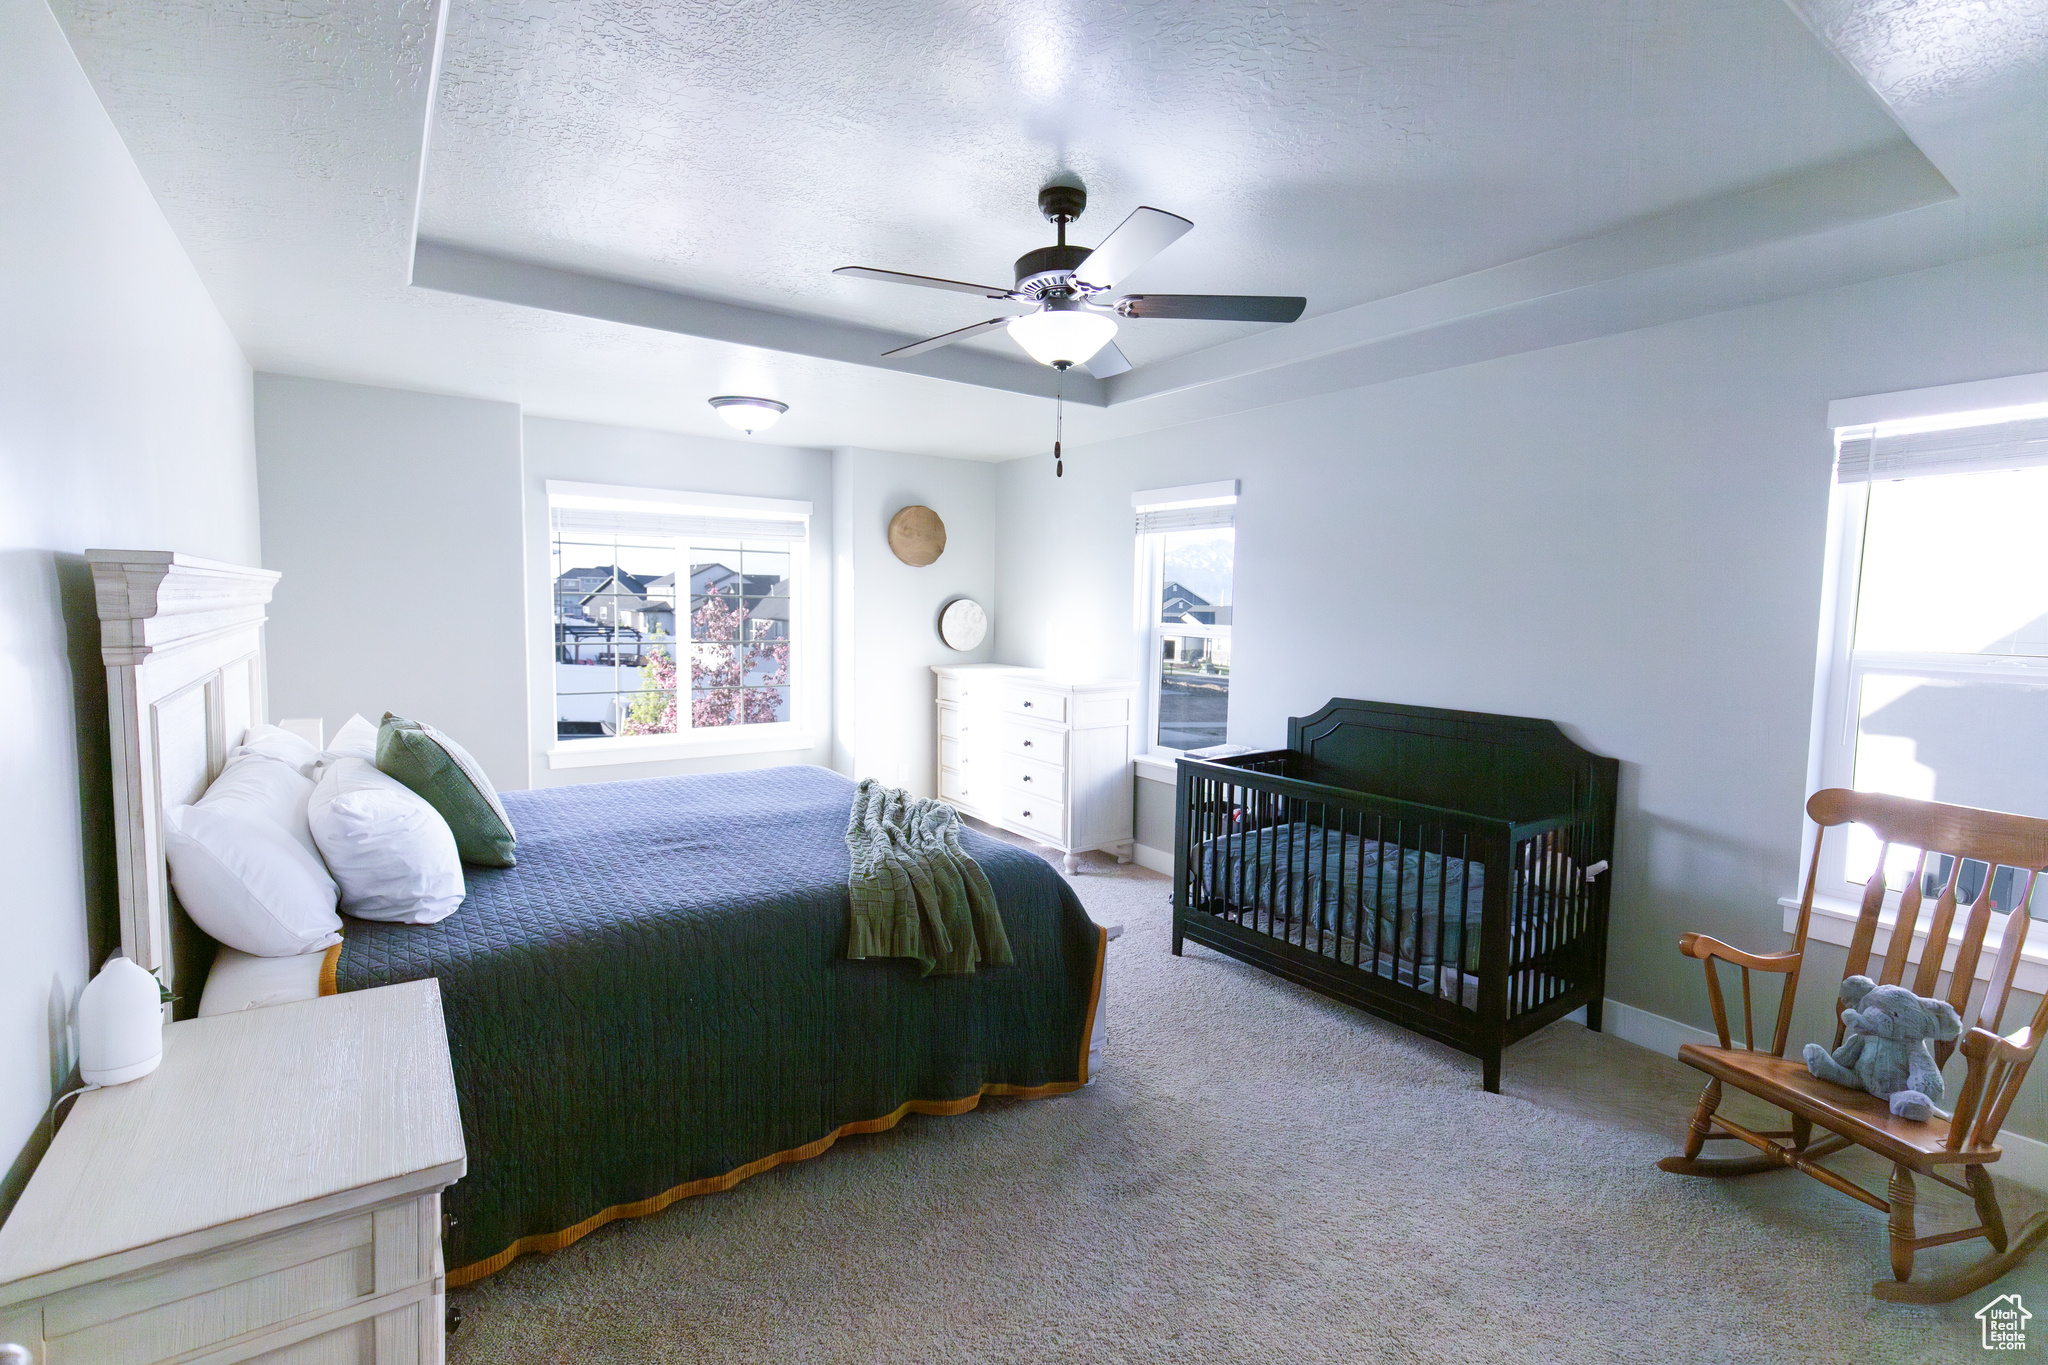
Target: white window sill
(753,739)
(1156,768)
(1834,921)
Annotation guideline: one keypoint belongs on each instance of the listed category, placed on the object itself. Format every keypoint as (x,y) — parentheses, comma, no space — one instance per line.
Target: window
(1187,549)
(1939,687)
(675,615)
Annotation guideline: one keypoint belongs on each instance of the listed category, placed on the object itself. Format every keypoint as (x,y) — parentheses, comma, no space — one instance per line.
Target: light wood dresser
(272,1192)
(1045,757)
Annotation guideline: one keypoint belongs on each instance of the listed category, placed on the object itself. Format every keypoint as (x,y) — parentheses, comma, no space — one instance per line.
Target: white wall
(1625,535)
(583,452)
(887,612)
(394,518)
(124,423)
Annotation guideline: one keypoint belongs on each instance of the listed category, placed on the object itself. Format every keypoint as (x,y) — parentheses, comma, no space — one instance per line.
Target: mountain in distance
(1201,565)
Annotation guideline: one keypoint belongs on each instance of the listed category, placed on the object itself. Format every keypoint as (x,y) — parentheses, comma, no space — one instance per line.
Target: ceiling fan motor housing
(1049,268)
(1062,201)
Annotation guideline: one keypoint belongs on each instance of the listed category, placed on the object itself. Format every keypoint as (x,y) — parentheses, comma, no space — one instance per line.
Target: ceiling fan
(1068,290)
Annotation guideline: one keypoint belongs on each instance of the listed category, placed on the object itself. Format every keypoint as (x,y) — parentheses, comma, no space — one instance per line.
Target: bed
(1445,870)
(653,1002)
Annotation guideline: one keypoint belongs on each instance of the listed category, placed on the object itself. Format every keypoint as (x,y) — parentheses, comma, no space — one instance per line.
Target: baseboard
(1152,859)
(2025,1161)
(1652,1031)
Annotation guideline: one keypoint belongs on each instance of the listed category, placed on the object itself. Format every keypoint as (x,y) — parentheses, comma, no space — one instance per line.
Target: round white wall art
(963,624)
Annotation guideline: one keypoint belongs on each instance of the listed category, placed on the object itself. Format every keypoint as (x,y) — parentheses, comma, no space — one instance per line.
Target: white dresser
(1047,758)
(272,1193)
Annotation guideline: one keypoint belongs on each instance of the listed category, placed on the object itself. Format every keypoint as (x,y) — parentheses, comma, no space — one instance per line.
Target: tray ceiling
(1344,152)
(611,211)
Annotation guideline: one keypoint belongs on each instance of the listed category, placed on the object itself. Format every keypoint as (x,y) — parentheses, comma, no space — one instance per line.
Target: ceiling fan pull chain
(1059,425)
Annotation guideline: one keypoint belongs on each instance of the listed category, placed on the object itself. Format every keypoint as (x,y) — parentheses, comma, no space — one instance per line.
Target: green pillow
(453,783)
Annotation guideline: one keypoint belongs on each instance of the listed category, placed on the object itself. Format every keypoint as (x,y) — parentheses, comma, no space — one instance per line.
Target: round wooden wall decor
(917,535)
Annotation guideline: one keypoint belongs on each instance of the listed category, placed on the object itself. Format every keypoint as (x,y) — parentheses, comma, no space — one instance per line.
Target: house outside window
(1937,687)
(675,615)
(1187,549)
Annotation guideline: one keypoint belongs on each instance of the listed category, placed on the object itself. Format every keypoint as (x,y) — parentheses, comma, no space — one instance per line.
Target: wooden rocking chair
(1969,1137)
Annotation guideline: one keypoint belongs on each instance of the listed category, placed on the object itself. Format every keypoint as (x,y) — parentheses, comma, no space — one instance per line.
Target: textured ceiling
(1405,165)
(1345,152)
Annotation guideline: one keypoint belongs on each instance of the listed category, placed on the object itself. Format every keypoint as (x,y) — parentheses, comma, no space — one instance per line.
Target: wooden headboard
(183,643)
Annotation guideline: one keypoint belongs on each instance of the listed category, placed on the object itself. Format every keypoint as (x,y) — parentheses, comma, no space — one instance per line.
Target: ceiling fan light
(1063,336)
(749,414)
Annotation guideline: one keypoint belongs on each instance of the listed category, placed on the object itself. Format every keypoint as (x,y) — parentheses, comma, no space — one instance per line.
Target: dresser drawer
(1046,781)
(1047,818)
(968,758)
(211,1297)
(1027,741)
(959,788)
(1046,706)
(965,723)
(355,1344)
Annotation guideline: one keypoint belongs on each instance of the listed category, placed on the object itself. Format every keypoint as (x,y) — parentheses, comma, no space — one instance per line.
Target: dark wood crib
(1445,870)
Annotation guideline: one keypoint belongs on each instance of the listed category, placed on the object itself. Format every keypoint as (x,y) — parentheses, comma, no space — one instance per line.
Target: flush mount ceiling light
(1064,332)
(749,414)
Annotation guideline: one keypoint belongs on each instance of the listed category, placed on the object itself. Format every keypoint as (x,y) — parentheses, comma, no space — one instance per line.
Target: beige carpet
(1257,1175)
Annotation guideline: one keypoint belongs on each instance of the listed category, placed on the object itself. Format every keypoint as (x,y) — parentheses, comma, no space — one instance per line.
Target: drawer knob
(1027,743)
(1027,706)
(1027,815)
(1027,777)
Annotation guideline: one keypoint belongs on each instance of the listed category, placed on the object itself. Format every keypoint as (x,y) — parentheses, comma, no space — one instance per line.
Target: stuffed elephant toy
(1886,1050)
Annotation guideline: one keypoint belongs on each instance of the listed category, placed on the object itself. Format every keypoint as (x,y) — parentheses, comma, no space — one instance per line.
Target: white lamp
(120,1024)
(1064,332)
(749,414)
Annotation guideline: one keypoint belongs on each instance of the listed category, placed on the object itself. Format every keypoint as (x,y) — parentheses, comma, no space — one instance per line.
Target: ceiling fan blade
(1212,307)
(947,338)
(1106,362)
(1137,239)
(987,291)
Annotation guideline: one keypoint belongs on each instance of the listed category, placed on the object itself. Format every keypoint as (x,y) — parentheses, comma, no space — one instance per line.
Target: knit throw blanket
(914,890)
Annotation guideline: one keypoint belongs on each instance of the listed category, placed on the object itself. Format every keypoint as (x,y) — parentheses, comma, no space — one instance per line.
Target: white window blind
(1191,507)
(1863,456)
(651,523)
(1186,518)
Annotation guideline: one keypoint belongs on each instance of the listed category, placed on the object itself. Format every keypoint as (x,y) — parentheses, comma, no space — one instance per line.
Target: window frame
(794,734)
(1150,581)
(1842,668)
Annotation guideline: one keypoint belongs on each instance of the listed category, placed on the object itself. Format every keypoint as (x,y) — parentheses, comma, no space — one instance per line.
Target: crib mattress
(1362,900)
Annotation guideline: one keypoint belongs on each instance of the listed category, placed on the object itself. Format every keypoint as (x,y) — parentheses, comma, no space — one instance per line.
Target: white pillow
(357,738)
(271,741)
(244,863)
(392,853)
(266,787)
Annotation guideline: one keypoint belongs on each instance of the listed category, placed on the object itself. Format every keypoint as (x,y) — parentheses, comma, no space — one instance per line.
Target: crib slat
(1343,822)
(1240,815)
(1443,891)
(1400,895)
(1290,894)
(1321,878)
(1379,892)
